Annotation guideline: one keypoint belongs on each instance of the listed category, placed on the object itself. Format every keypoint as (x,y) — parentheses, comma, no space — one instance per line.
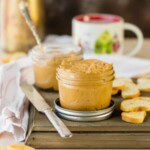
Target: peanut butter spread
(84,68)
(89,66)
(80,86)
(45,70)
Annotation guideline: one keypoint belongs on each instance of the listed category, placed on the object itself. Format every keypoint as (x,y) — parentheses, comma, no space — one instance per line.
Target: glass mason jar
(84,91)
(15,34)
(45,63)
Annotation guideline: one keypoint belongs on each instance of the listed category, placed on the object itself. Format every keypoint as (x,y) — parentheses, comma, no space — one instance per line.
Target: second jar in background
(46,62)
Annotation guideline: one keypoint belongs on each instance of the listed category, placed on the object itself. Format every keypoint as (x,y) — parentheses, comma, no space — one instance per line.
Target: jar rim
(55,48)
(89,78)
(80,76)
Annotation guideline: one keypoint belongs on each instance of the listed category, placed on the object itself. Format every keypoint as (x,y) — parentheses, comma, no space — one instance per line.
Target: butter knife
(40,104)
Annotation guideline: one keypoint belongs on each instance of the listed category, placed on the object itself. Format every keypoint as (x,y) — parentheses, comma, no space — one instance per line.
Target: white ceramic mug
(103,33)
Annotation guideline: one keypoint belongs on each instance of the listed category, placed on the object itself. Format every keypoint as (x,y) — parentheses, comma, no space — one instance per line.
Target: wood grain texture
(144,52)
(113,124)
(52,140)
(111,133)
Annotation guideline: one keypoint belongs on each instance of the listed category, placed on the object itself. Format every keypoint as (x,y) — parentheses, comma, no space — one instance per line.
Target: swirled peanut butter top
(84,68)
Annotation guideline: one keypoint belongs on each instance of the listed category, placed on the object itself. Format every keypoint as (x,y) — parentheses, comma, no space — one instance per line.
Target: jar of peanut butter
(85,85)
(46,62)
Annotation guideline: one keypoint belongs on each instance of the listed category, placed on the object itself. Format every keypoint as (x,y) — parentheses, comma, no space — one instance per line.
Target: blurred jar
(45,63)
(15,34)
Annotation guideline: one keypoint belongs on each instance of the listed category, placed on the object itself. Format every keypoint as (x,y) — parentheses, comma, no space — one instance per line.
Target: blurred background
(55,17)
(59,13)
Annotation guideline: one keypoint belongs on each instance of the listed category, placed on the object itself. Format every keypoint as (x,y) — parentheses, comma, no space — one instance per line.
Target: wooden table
(110,133)
(145,51)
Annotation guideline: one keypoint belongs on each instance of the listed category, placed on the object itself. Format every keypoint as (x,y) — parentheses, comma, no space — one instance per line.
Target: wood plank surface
(111,133)
(112,124)
(90,141)
(145,50)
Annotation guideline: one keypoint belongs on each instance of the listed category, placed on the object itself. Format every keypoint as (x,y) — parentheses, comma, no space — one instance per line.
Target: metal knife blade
(34,97)
(38,101)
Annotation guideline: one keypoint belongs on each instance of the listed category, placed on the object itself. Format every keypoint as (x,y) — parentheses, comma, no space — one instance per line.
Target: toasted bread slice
(17,55)
(142,98)
(5,59)
(126,80)
(2,148)
(144,84)
(130,91)
(12,57)
(19,147)
(115,91)
(131,105)
(134,117)
(119,83)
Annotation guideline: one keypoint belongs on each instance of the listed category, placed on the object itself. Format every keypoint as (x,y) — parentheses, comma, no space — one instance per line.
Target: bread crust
(134,103)
(131,96)
(2,148)
(119,83)
(19,147)
(115,91)
(130,91)
(141,82)
(129,118)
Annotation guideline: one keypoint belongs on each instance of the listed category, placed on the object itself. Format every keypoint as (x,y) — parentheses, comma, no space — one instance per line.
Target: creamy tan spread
(45,72)
(85,84)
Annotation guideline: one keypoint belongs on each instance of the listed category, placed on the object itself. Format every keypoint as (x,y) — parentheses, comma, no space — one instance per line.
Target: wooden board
(111,133)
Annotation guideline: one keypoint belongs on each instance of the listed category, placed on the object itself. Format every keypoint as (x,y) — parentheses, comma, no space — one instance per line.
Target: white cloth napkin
(13,105)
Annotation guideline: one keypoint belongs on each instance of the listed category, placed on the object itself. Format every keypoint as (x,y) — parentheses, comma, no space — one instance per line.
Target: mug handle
(139,35)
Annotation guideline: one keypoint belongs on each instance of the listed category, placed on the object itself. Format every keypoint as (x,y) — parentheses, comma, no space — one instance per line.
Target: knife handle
(58,124)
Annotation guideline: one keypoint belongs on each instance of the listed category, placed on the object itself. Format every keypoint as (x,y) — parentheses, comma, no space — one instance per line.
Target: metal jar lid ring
(84,115)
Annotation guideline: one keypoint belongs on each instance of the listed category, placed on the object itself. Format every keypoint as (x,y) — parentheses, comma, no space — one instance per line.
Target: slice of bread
(133,117)
(141,98)
(12,57)
(131,105)
(5,59)
(115,91)
(19,147)
(144,84)
(126,80)
(17,55)
(119,83)
(2,148)
(130,90)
